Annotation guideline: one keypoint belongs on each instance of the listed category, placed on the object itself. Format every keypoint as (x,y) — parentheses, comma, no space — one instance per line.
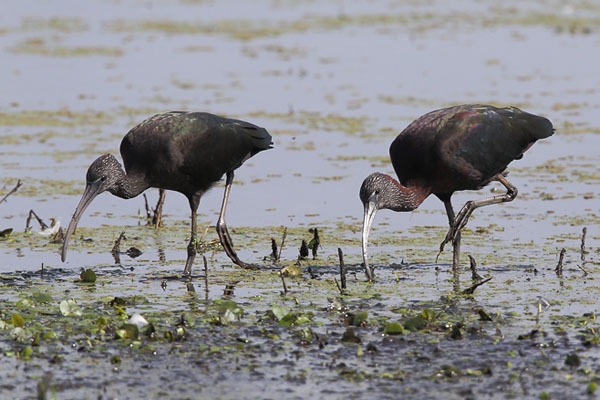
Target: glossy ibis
(187,152)
(448,150)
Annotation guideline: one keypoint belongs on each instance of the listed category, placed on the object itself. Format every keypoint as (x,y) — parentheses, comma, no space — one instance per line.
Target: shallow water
(333,82)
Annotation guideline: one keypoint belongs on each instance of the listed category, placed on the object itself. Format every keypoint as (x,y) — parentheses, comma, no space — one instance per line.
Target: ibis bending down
(457,148)
(187,152)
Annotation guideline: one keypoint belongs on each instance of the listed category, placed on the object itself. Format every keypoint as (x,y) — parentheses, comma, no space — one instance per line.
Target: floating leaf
(229,311)
(40,297)
(88,276)
(415,323)
(133,252)
(291,270)
(5,233)
(128,331)
(17,321)
(360,318)
(227,317)
(26,353)
(393,328)
(428,314)
(20,335)
(138,320)
(573,360)
(294,318)
(70,308)
(280,311)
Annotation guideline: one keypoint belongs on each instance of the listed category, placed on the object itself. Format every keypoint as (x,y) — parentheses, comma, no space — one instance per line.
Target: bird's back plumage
(464,147)
(190,151)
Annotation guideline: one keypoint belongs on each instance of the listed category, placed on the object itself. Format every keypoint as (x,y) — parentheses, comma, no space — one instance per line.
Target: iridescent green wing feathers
(191,146)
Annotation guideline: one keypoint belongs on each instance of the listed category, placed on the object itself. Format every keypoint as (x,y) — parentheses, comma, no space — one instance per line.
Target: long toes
(247,266)
(449,238)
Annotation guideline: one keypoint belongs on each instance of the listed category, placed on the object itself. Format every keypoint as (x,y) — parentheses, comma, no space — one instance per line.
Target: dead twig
(559,266)
(583,251)
(205,277)
(154,215)
(230,289)
(13,190)
(303,250)
(338,286)
(116,250)
(314,244)
(273,249)
(285,289)
(157,217)
(474,286)
(342,268)
(147,207)
(475,277)
(32,213)
(282,243)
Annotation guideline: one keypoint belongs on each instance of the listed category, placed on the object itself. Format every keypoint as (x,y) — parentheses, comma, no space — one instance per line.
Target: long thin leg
(157,218)
(456,242)
(191,249)
(463,216)
(222,227)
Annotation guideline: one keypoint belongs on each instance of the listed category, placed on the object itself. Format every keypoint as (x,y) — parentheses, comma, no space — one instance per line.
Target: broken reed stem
(475,277)
(303,250)
(146,206)
(205,276)
(117,247)
(116,250)
(315,243)
(13,190)
(157,211)
(583,245)
(474,286)
(282,243)
(338,286)
(39,220)
(559,266)
(285,289)
(273,249)
(275,253)
(342,268)
(204,234)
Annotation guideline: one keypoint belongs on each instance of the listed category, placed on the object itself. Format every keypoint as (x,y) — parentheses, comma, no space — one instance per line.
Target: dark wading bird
(187,152)
(448,150)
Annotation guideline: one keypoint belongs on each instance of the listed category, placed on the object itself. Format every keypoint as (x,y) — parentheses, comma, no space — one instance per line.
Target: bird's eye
(376,191)
(102,179)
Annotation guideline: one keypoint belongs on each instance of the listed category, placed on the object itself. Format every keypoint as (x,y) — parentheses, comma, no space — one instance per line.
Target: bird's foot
(244,265)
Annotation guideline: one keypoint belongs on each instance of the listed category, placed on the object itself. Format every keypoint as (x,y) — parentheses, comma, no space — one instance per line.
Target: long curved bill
(91,191)
(370,211)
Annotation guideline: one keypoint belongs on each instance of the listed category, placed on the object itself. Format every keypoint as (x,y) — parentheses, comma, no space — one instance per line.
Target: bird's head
(380,191)
(102,175)
(372,194)
(374,190)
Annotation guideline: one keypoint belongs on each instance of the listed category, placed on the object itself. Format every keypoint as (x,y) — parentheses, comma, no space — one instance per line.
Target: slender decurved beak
(370,211)
(92,190)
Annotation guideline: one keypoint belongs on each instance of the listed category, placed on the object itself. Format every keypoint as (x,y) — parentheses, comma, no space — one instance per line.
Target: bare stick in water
(13,190)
